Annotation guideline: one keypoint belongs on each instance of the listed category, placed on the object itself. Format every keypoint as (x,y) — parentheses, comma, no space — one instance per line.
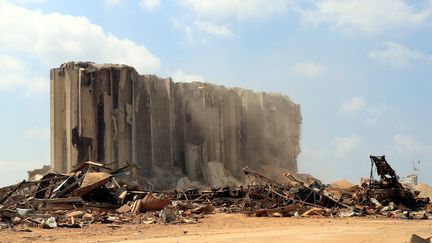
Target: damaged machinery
(388,188)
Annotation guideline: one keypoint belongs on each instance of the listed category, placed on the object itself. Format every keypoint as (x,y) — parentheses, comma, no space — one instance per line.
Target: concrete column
(194,158)
(71,105)
(252,129)
(87,117)
(57,112)
(142,126)
(161,121)
(212,123)
(124,116)
(231,118)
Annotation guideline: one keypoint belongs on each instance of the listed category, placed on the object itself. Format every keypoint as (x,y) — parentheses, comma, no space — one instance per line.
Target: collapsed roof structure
(175,132)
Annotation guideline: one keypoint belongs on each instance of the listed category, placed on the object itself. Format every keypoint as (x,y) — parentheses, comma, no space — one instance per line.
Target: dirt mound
(425,190)
(344,184)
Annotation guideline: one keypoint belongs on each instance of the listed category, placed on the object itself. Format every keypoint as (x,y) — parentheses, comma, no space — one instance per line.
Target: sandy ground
(237,228)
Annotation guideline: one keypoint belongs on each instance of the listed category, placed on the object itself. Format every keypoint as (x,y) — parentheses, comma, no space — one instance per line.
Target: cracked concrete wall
(110,113)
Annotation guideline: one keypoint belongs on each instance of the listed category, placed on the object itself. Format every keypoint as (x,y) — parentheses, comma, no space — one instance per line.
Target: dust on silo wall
(110,113)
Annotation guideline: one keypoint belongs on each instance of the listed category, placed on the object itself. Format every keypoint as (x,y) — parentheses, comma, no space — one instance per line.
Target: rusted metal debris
(93,193)
(389,188)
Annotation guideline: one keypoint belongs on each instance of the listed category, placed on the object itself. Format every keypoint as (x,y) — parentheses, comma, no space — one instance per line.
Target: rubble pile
(310,197)
(91,193)
(95,193)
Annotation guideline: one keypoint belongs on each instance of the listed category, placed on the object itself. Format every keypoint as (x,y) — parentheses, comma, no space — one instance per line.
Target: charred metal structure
(388,188)
(199,131)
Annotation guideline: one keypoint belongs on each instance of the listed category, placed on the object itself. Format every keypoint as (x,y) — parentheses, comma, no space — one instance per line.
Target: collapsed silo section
(177,133)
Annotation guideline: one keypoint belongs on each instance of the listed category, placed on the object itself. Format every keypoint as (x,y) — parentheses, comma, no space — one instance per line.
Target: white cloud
(377,110)
(13,73)
(340,146)
(374,114)
(36,133)
(367,16)
(369,121)
(397,55)
(307,69)
(213,29)
(353,105)
(237,8)
(10,71)
(150,5)
(180,76)
(406,144)
(29,1)
(191,36)
(38,85)
(11,63)
(111,3)
(187,30)
(55,38)
(344,145)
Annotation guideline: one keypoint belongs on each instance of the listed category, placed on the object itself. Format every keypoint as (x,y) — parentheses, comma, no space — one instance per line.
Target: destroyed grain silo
(175,132)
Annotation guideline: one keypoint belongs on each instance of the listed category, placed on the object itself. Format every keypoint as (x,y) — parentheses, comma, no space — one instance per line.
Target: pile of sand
(425,190)
(344,184)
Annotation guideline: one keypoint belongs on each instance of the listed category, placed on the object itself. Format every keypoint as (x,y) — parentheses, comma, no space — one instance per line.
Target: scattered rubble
(344,184)
(94,193)
(424,189)
(417,239)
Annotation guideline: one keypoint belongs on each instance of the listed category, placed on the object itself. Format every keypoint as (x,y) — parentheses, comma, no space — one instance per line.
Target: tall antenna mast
(416,169)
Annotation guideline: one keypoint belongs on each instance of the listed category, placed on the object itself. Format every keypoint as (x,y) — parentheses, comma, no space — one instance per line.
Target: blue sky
(361,69)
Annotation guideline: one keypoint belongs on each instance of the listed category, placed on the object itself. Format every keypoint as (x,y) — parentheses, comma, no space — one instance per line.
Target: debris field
(94,193)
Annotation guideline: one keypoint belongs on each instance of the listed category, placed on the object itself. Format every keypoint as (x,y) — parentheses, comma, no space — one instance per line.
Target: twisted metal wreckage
(95,193)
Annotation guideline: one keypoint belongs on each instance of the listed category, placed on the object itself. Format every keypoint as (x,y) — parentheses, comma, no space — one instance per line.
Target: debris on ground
(417,239)
(344,184)
(95,193)
(424,189)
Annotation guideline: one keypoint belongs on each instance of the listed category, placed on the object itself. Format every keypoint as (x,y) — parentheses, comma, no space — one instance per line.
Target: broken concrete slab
(216,175)
(92,181)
